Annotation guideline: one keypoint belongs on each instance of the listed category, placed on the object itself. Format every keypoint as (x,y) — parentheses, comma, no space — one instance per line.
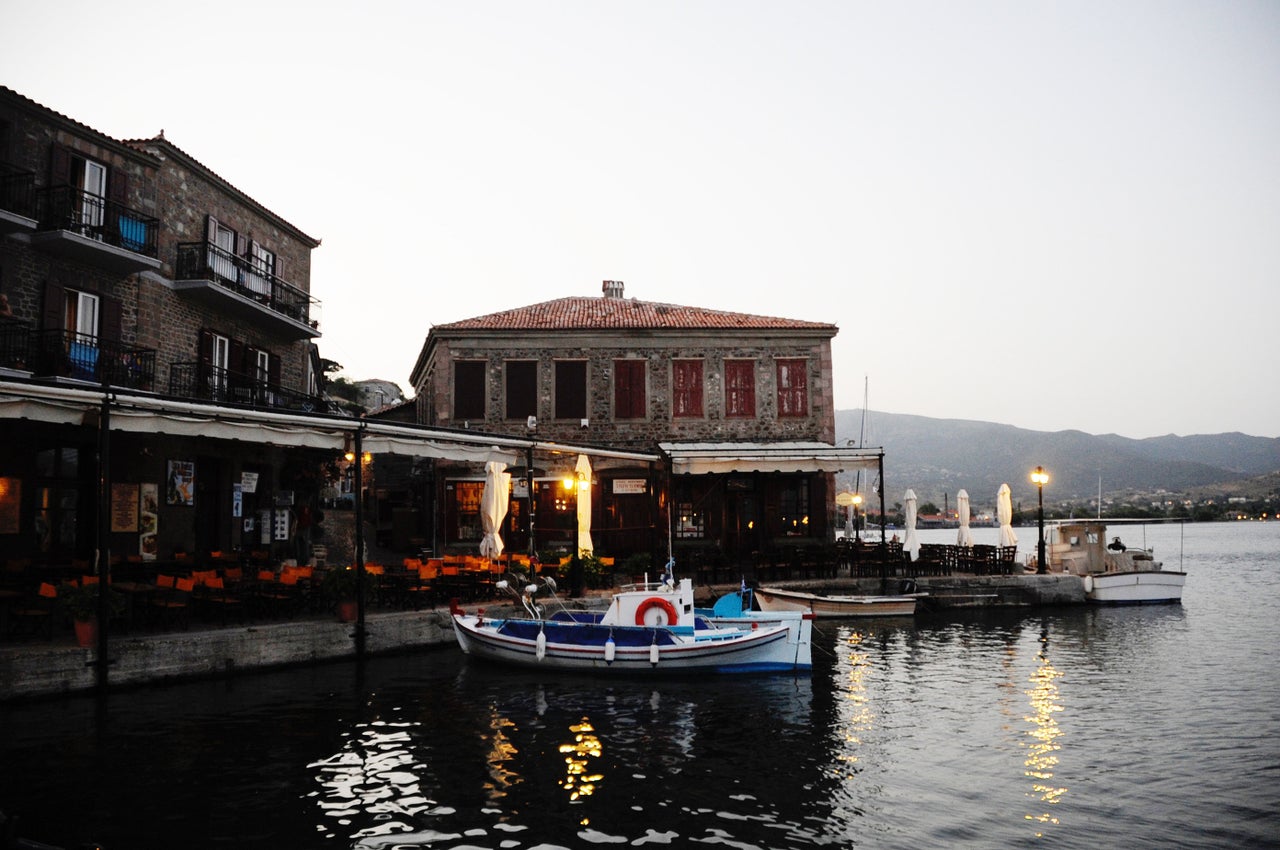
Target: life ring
(656,602)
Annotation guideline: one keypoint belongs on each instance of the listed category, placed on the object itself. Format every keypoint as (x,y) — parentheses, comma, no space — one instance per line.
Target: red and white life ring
(656,602)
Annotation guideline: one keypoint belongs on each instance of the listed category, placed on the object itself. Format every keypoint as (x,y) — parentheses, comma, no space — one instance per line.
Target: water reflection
(1043,747)
(855,714)
(578,754)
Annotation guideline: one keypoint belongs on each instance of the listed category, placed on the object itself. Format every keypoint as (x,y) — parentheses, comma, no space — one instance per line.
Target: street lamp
(1040,478)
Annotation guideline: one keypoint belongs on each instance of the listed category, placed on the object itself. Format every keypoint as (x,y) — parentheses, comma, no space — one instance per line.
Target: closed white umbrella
(911,545)
(1004,512)
(493,507)
(964,537)
(584,505)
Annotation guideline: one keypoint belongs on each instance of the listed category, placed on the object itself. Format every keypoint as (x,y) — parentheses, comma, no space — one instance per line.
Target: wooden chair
(172,606)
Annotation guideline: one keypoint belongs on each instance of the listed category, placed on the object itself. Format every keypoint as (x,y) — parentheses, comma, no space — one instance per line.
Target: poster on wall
(148,521)
(237,500)
(10,499)
(182,483)
(124,508)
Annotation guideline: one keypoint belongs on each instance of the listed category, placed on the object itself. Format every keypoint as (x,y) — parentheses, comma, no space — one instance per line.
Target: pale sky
(1050,215)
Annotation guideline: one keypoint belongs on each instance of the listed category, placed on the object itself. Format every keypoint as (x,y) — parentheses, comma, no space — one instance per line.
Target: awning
(708,458)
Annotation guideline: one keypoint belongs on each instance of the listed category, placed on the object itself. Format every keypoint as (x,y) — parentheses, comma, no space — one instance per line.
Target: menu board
(124,507)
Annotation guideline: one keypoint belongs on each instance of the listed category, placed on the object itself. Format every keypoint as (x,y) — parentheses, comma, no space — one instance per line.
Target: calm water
(1141,727)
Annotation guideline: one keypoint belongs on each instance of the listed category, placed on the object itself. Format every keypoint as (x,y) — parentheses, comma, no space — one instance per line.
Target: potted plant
(81,603)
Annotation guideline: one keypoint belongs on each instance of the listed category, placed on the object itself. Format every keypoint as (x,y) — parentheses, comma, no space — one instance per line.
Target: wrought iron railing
(67,354)
(17,191)
(68,208)
(15,344)
(207,261)
(225,386)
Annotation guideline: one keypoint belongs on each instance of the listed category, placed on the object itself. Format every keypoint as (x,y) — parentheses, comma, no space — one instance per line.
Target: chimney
(612,289)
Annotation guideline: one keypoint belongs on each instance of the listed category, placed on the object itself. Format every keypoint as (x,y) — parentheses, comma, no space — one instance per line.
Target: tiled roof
(603,313)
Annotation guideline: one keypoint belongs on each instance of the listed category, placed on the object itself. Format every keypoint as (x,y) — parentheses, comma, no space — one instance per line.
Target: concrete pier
(42,669)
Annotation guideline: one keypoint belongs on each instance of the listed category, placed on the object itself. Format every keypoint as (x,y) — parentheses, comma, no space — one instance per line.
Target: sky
(1053,215)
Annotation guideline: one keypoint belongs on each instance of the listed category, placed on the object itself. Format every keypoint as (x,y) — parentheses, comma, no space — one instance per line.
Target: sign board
(249,482)
(630,487)
(844,499)
(124,507)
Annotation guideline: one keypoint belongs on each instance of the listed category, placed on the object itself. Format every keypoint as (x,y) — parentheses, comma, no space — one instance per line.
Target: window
(793,505)
(686,388)
(739,388)
(222,250)
(793,388)
(522,389)
(467,495)
(81,323)
(93,186)
(468,389)
(629,389)
(219,362)
(571,389)
(262,265)
(57,500)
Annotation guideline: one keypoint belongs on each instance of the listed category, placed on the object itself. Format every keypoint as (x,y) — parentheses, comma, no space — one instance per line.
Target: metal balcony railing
(15,344)
(224,386)
(68,208)
(67,354)
(242,275)
(17,191)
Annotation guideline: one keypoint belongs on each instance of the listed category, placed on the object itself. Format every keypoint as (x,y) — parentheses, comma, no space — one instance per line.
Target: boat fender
(610,649)
(1088,584)
(455,609)
(656,602)
(653,654)
(908,586)
(540,645)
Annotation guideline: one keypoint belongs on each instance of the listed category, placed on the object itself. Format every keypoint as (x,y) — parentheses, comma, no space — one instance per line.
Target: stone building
(739,407)
(130,268)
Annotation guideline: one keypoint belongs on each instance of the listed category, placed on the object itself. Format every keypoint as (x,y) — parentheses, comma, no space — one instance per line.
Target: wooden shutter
(55,305)
(210,229)
(109,318)
(118,187)
(60,167)
(206,347)
(273,370)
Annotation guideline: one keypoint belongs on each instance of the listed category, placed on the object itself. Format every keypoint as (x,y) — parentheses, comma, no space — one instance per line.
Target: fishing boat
(649,627)
(777,600)
(1112,573)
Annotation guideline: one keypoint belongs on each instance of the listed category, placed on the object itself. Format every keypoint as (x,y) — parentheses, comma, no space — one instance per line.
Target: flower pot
(347,611)
(86,632)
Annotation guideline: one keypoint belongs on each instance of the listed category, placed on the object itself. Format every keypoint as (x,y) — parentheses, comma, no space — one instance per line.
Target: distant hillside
(941,456)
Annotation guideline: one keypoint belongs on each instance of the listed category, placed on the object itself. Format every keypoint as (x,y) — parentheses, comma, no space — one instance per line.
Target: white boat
(1112,573)
(774,600)
(649,627)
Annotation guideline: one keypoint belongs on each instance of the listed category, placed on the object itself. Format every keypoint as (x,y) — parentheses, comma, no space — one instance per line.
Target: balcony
(237,285)
(222,386)
(15,347)
(79,357)
(17,200)
(93,230)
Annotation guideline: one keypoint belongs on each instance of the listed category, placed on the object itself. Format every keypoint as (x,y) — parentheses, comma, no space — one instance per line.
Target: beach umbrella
(583,469)
(964,537)
(911,545)
(1004,512)
(493,507)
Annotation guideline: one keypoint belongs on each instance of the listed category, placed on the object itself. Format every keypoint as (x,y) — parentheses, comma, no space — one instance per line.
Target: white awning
(707,458)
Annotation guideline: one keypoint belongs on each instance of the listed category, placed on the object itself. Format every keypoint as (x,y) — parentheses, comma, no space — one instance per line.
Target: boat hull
(769,647)
(833,607)
(1136,587)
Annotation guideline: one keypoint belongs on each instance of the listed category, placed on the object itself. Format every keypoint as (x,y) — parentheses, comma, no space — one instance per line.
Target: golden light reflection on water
(857,717)
(501,754)
(1042,746)
(578,781)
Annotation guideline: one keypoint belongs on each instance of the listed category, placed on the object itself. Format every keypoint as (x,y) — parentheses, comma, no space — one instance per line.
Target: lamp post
(1040,478)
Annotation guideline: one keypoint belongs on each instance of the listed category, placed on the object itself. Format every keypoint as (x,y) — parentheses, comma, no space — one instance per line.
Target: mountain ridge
(938,457)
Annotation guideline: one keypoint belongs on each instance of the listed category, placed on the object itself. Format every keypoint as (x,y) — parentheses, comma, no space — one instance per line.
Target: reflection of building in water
(577,754)
(1043,746)
(856,716)
(498,758)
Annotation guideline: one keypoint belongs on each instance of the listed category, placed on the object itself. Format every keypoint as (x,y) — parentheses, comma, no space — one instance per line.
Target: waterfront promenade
(42,668)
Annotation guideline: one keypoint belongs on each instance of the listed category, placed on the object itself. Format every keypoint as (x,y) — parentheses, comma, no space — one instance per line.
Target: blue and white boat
(648,628)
